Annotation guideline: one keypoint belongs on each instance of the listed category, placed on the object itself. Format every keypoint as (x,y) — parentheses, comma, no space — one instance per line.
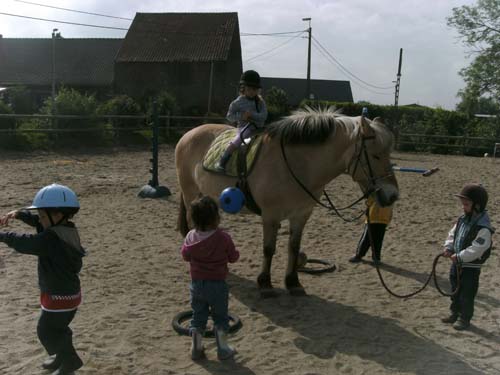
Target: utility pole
(309,30)
(396,93)
(55,35)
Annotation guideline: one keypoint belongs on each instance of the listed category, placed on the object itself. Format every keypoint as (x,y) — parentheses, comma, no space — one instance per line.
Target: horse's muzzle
(387,195)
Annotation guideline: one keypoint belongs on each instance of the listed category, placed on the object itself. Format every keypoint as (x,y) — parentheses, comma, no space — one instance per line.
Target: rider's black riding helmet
(475,193)
(250,78)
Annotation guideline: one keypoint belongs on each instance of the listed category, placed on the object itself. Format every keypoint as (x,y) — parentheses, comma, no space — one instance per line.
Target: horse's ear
(365,126)
(379,119)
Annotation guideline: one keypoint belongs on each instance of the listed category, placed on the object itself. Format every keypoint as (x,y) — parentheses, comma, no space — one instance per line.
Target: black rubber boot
(52,363)
(450,319)
(355,259)
(461,324)
(69,365)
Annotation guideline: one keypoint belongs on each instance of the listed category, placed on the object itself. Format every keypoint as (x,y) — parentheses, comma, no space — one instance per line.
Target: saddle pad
(218,147)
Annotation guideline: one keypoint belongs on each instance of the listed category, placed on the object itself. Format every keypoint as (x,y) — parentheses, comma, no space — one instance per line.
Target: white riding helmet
(55,196)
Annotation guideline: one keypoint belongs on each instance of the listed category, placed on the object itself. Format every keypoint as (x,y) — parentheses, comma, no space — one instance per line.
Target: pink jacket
(208,254)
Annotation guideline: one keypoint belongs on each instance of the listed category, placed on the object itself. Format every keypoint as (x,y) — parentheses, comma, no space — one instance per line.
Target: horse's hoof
(297,291)
(268,293)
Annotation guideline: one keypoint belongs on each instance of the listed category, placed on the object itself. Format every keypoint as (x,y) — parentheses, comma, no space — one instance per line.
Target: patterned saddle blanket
(218,147)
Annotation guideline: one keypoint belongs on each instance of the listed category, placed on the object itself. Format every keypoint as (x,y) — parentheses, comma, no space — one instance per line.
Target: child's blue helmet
(232,200)
(55,196)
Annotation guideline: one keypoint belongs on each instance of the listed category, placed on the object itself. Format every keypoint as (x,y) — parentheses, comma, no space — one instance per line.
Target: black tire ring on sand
(234,324)
(329,267)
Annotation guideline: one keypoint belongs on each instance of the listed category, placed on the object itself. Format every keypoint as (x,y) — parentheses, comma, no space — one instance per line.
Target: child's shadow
(230,366)
(327,328)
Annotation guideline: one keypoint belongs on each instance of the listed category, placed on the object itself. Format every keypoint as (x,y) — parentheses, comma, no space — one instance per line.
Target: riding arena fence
(123,128)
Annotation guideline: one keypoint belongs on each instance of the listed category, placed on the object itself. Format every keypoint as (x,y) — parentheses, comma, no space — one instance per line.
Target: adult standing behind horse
(248,111)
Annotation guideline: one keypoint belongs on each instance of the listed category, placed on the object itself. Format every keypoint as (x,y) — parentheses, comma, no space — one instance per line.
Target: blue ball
(232,200)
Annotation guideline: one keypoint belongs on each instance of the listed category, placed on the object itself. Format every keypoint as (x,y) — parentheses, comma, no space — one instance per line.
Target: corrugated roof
(86,62)
(322,89)
(179,37)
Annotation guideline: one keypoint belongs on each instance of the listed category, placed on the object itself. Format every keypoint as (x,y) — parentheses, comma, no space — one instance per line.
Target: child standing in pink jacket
(209,249)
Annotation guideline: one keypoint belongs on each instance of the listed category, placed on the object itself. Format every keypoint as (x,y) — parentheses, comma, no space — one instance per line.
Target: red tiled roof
(179,37)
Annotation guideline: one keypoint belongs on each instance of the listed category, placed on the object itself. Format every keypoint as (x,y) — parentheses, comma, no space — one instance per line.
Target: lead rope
(432,275)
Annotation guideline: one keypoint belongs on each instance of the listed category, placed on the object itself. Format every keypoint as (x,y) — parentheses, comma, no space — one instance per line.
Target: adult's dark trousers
(54,333)
(377,232)
(462,303)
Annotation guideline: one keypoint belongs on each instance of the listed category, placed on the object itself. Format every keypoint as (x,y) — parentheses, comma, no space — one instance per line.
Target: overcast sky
(363,35)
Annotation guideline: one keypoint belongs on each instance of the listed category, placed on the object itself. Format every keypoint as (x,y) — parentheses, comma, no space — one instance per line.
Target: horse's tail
(182,223)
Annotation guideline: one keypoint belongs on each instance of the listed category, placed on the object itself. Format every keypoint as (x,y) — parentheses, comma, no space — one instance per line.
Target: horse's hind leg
(292,278)
(264,279)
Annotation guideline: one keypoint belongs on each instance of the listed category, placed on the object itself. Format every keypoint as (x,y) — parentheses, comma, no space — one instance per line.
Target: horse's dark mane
(305,126)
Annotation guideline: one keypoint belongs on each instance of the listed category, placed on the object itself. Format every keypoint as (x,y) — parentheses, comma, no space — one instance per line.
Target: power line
(65,22)
(72,10)
(354,81)
(284,33)
(280,34)
(347,70)
(272,34)
(274,48)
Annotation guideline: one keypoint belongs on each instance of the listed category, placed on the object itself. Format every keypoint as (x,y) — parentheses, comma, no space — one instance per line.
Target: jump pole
(423,172)
(152,189)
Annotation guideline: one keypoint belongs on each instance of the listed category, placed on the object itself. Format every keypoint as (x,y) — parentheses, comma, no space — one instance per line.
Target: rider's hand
(454,258)
(4,220)
(246,115)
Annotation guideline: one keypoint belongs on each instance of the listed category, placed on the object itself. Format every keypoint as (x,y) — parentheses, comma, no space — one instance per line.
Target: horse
(300,154)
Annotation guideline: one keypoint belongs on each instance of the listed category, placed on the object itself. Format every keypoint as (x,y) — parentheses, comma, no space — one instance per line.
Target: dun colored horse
(299,155)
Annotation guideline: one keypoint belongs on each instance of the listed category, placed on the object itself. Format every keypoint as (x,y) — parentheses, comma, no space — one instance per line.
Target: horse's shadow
(327,328)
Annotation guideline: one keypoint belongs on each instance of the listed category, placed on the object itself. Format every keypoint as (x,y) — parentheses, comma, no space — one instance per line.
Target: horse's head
(370,165)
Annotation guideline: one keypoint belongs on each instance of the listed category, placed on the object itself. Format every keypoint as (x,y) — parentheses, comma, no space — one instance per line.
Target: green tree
(479,28)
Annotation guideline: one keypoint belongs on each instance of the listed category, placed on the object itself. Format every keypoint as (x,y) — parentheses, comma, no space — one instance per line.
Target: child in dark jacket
(57,246)
(468,245)
(208,249)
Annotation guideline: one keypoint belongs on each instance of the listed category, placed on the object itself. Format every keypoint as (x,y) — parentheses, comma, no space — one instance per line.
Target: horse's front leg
(264,279)
(292,278)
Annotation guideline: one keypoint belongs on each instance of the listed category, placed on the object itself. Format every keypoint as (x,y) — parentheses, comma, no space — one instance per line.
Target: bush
(421,120)
(71,102)
(122,105)
(21,100)
(7,127)
(277,103)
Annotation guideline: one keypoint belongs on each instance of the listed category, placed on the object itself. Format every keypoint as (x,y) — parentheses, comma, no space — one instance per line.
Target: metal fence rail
(464,145)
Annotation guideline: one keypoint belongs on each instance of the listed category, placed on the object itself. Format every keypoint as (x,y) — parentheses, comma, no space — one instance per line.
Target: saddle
(220,144)
(239,165)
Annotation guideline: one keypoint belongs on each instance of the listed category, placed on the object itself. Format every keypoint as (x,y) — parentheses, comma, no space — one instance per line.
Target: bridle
(330,206)
(357,161)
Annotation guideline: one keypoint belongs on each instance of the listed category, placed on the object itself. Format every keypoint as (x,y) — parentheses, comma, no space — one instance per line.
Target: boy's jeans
(209,297)
(463,302)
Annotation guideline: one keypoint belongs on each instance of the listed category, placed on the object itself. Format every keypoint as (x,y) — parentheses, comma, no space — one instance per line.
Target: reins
(330,205)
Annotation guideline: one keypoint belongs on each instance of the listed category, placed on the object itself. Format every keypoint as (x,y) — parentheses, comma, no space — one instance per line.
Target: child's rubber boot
(221,165)
(461,324)
(70,363)
(452,318)
(197,350)
(52,363)
(224,351)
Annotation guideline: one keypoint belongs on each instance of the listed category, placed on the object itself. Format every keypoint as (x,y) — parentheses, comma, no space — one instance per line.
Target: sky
(355,40)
